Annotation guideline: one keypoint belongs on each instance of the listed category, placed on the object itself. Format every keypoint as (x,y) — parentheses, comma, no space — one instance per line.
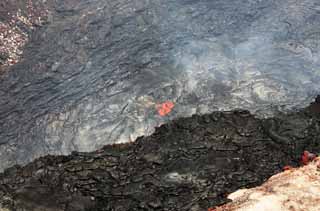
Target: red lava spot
(165,108)
(307,157)
(211,209)
(286,168)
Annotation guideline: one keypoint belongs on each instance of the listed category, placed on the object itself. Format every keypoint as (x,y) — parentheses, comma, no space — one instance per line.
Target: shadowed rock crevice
(187,164)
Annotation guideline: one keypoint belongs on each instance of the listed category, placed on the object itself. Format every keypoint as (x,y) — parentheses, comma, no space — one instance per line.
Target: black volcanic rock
(187,164)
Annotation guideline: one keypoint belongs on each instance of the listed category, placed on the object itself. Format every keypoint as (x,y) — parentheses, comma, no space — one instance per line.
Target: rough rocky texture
(187,164)
(295,189)
(17,20)
(96,71)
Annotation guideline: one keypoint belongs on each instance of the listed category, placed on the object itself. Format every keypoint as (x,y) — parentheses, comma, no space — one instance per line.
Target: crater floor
(79,74)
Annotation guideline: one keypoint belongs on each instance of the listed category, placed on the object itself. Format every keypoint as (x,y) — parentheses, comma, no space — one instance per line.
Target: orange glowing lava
(286,168)
(307,157)
(165,108)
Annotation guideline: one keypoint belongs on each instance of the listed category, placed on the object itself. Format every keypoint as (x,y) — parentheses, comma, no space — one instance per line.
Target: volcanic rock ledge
(296,189)
(188,164)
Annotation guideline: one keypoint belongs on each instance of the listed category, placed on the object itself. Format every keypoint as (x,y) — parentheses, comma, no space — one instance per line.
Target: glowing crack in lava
(165,108)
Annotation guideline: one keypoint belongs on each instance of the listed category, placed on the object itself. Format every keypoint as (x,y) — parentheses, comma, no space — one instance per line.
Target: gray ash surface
(187,164)
(92,72)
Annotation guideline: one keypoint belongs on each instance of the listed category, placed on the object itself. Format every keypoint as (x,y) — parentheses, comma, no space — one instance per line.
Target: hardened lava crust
(188,164)
(76,75)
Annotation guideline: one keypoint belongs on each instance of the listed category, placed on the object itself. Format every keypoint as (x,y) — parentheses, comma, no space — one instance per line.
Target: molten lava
(165,108)
(307,157)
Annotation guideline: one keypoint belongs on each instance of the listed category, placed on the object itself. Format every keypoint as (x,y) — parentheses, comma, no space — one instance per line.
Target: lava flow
(165,108)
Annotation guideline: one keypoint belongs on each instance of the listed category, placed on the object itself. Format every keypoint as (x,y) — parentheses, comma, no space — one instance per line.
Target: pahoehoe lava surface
(93,71)
(187,164)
